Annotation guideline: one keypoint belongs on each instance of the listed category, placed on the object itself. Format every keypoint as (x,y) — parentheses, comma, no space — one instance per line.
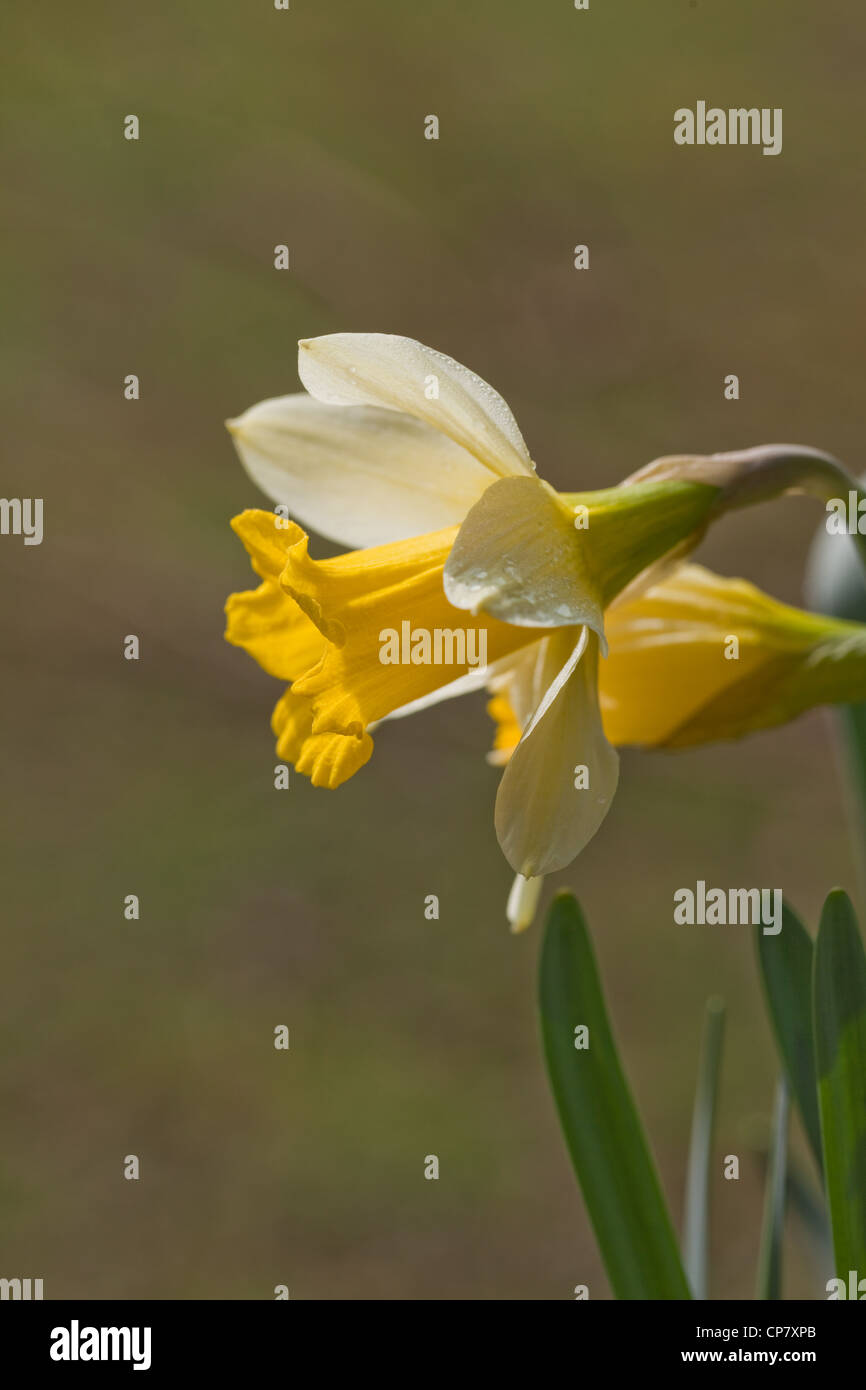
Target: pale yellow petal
(361,475)
(382,369)
(518,557)
(545,815)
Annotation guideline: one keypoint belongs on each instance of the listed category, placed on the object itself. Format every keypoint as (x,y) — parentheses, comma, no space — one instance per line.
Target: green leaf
(770,1256)
(696,1219)
(602,1129)
(851,726)
(786,962)
(811,1211)
(839,998)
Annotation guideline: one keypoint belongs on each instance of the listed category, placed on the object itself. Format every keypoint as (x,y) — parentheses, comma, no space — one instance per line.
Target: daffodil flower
(400,451)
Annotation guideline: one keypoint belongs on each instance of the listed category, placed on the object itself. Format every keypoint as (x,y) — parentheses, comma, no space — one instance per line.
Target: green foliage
(839,994)
(602,1129)
(786,963)
(816,1000)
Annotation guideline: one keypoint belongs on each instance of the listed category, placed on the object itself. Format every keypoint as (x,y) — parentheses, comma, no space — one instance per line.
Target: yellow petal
(265,621)
(292,723)
(328,759)
(327,637)
(671,678)
(508,730)
(273,629)
(356,587)
(266,538)
(354,600)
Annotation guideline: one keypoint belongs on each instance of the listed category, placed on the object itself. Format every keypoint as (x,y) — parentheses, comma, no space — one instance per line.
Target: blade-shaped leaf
(696,1218)
(770,1256)
(839,997)
(811,1211)
(602,1130)
(851,726)
(786,962)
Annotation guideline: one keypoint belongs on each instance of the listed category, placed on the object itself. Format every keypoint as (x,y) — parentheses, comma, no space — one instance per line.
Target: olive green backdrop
(408,1037)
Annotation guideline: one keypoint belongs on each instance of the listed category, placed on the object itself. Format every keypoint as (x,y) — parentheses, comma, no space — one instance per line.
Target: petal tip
(523,903)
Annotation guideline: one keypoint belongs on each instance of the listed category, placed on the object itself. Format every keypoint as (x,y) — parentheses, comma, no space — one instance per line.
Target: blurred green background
(408,1037)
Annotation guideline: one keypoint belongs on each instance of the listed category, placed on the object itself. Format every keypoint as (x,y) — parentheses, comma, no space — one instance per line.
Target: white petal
(518,557)
(524,677)
(385,370)
(542,819)
(360,475)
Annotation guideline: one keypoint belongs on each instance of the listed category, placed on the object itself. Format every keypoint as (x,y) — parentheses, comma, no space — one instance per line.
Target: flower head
(561,604)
